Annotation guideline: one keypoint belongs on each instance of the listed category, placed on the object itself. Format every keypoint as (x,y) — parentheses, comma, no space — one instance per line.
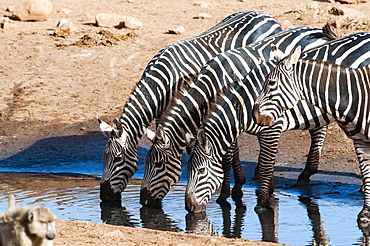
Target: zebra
(163,161)
(152,93)
(232,113)
(341,90)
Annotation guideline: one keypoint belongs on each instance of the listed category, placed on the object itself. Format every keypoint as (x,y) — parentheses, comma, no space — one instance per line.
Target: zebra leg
(363,154)
(239,177)
(312,164)
(268,139)
(225,188)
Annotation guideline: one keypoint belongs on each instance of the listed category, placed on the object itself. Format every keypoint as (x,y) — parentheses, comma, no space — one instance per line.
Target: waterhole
(64,174)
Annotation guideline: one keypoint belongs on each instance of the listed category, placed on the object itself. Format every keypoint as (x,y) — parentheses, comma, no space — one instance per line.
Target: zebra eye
(201,170)
(117,159)
(271,82)
(157,164)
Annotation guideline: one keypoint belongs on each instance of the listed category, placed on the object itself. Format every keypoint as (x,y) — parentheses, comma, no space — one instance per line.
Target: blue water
(324,212)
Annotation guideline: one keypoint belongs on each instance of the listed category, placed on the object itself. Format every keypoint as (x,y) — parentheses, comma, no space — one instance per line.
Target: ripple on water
(295,219)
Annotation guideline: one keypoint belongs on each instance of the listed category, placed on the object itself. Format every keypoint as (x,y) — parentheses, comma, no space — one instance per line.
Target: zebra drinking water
(232,114)
(152,93)
(163,161)
(340,90)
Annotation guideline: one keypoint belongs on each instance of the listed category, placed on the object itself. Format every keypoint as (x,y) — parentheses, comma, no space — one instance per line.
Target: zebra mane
(213,101)
(327,64)
(178,91)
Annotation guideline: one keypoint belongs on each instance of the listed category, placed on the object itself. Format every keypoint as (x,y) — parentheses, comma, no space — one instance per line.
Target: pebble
(178,30)
(132,23)
(204,16)
(108,20)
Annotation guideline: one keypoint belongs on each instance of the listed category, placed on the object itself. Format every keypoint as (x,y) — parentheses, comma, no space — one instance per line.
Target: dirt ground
(50,88)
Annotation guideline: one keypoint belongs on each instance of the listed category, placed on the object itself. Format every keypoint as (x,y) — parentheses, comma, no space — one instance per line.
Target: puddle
(322,214)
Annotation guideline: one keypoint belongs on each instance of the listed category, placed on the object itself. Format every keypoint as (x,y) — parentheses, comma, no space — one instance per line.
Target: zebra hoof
(302,182)
(260,209)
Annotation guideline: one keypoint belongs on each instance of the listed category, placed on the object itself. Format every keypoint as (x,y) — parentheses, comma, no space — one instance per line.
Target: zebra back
(186,110)
(152,92)
(350,51)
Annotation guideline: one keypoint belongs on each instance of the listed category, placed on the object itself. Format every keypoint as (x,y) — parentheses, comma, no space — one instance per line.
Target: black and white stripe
(232,114)
(162,164)
(339,90)
(152,93)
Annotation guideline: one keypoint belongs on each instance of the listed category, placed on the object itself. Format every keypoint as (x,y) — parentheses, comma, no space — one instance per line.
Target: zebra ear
(105,128)
(149,133)
(189,139)
(201,137)
(293,58)
(118,125)
(162,137)
(276,53)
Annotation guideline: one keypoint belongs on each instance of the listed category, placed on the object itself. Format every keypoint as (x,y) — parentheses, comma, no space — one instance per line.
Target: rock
(64,28)
(178,30)
(132,23)
(6,24)
(336,11)
(66,11)
(286,24)
(352,1)
(115,234)
(204,16)
(33,10)
(10,8)
(347,1)
(202,4)
(108,20)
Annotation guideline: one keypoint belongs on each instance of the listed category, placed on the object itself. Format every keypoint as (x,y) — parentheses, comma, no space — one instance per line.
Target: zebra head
(162,167)
(204,172)
(118,163)
(279,92)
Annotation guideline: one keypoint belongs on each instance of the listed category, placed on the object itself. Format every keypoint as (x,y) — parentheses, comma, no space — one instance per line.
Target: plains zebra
(152,93)
(340,90)
(163,162)
(232,114)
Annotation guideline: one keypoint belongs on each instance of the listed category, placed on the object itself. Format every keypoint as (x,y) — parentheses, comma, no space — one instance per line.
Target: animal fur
(27,226)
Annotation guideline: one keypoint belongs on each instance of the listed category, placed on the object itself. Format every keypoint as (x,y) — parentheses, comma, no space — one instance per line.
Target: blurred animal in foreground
(27,226)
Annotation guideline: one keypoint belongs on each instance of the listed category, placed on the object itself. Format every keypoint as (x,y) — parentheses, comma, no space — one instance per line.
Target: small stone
(204,16)
(178,30)
(108,20)
(66,11)
(132,23)
(286,24)
(64,28)
(33,10)
(115,234)
(10,8)
(336,11)
(202,4)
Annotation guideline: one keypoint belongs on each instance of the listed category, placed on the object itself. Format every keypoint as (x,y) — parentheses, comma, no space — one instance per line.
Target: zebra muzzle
(192,205)
(262,119)
(147,200)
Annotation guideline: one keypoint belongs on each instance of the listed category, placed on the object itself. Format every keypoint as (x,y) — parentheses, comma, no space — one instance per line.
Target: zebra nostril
(191,203)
